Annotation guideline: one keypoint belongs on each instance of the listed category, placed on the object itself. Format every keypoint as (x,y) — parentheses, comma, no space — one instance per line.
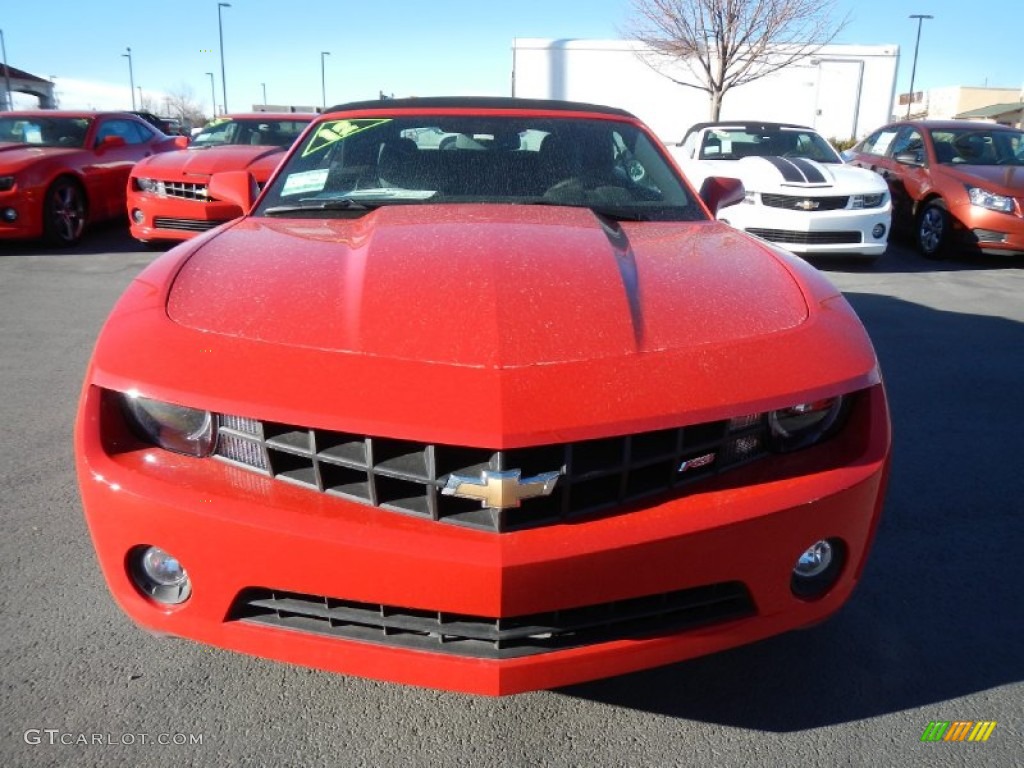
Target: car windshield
(734,143)
(356,164)
(261,132)
(45,131)
(978,146)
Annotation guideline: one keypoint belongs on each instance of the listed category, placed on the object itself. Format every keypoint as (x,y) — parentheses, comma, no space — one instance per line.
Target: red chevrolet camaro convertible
(167,194)
(478,395)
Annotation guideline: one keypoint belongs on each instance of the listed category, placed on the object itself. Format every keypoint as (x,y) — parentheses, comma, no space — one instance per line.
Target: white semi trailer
(843,91)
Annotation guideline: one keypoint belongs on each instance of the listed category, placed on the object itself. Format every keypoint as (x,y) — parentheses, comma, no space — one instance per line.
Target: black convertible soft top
(479,102)
(749,126)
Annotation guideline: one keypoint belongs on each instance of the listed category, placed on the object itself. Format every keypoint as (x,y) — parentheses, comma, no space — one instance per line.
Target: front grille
(807,238)
(408,477)
(185,225)
(494,638)
(184,189)
(797,202)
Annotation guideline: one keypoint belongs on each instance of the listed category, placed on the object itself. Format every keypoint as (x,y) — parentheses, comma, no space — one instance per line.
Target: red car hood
(484,286)
(14,157)
(1002,179)
(203,162)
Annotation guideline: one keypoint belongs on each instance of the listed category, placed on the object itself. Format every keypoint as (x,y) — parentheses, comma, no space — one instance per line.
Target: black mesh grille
(807,238)
(185,225)
(494,638)
(408,477)
(804,203)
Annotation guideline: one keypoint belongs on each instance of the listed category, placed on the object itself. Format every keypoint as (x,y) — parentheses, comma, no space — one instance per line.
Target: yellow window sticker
(336,130)
(304,182)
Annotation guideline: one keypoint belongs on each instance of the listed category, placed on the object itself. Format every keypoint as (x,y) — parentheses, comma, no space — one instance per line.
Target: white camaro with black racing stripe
(799,193)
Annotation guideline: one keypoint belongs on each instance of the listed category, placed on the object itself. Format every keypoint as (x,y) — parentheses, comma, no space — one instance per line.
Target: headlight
(6,183)
(174,427)
(750,198)
(803,425)
(993,202)
(868,201)
(149,185)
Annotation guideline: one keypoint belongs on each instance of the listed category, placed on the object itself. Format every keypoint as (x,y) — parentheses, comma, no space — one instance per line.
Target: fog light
(10,214)
(815,560)
(138,216)
(818,568)
(160,575)
(878,231)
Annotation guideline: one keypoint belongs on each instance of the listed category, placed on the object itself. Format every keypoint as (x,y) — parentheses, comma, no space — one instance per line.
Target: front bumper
(990,232)
(28,207)
(234,530)
(816,232)
(157,217)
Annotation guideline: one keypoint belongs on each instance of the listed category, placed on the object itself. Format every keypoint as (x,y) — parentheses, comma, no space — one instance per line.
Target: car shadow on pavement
(902,258)
(937,614)
(102,238)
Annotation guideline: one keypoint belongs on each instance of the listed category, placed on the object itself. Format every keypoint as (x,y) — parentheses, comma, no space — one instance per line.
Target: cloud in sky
(85,94)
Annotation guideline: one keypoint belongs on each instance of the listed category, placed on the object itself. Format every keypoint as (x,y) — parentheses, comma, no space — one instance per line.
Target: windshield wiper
(340,204)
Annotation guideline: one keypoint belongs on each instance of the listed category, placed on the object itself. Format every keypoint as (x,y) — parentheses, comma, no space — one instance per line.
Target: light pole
(131,74)
(220,29)
(264,86)
(323,78)
(913,70)
(9,101)
(213,96)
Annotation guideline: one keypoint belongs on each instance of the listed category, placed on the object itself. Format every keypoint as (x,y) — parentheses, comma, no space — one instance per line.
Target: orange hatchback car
(954,183)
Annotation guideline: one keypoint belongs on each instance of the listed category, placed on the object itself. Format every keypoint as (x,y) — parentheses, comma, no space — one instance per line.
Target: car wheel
(933,230)
(64,212)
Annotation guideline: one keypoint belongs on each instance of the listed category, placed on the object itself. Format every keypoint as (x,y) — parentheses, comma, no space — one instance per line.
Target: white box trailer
(843,91)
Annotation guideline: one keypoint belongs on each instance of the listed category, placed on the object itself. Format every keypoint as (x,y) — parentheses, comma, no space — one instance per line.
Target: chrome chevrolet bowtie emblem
(807,205)
(500,490)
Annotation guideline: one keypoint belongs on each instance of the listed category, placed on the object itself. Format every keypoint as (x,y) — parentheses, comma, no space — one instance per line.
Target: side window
(144,133)
(879,142)
(908,140)
(130,131)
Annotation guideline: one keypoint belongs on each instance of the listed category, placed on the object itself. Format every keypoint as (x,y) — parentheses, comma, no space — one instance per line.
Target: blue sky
(415,47)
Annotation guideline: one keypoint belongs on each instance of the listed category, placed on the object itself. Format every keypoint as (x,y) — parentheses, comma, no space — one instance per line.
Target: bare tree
(727,43)
(181,103)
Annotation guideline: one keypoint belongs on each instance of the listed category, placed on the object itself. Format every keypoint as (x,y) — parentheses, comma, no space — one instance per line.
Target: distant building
(952,101)
(283,108)
(23,82)
(1011,114)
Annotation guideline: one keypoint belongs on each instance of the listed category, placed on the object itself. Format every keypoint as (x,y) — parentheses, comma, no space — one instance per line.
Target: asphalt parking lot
(933,633)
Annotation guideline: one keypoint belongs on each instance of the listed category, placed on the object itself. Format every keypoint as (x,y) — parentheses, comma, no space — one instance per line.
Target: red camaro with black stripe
(497,413)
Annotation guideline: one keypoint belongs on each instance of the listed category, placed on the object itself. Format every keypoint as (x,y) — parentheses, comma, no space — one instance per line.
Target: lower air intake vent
(494,638)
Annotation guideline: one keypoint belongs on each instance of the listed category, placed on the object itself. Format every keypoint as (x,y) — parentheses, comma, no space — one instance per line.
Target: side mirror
(238,187)
(181,142)
(110,142)
(719,191)
(908,158)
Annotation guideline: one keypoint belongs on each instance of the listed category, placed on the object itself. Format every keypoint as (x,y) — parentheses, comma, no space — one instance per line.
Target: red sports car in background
(167,195)
(60,171)
(504,413)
